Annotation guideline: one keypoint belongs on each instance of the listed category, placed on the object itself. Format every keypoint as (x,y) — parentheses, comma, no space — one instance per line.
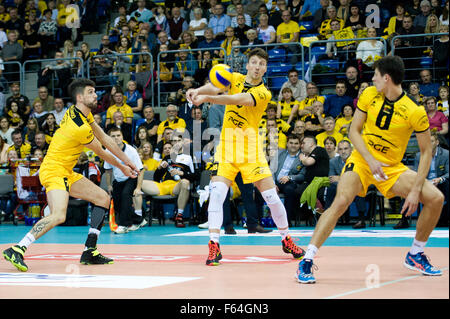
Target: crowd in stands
(298,120)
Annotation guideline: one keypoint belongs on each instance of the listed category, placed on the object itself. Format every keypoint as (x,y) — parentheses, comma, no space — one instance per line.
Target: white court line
(351,292)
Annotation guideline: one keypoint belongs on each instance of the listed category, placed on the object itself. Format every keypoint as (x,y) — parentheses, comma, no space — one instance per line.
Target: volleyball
(220,75)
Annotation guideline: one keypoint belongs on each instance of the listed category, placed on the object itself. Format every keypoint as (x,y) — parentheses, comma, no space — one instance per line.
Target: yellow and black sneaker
(214,255)
(15,256)
(92,256)
(289,247)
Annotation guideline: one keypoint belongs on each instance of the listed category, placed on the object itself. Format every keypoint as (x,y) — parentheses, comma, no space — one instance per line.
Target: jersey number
(384,117)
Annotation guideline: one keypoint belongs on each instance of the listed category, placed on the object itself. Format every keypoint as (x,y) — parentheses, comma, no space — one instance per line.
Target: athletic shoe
(15,256)
(204,225)
(289,247)
(419,262)
(92,256)
(304,273)
(214,255)
(179,221)
(121,230)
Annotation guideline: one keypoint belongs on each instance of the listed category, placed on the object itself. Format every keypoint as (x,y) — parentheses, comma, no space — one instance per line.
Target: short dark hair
(114,129)
(77,87)
(294,137)
(392,66)
(311,137)
(259,52)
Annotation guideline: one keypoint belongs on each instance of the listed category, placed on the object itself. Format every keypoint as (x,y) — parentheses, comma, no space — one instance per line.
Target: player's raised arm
(207,89)
(244,99)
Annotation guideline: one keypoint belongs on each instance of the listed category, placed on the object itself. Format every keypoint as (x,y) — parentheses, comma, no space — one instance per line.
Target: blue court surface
(383,236)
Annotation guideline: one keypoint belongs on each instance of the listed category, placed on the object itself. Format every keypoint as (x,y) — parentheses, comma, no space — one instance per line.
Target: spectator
(236,59)
(266,33)
(14,116)
(408,28)
(443,100)
(240,12)
(204,65)
(356,20)
(329,144)
(241,28)
(22,149)
(123,188)
(289,32)
(177,24)
(196,125)
(432,26)
(3,152)
(150,123)
(185,65)
(49,127)
(438,175)
(352,81)
(305,105)
(142,14)
(439,53)
(209,41)
(414,92)
(59,69)
(320,15)
(289,174)
(20,99)
(299,129)
(166,68)
(368,52)
(325,27)
(297,86)
(427,87)
(219,22)
(275,16)
(47,32)
(395,22)
(12,51)
(198,24)
(146,152)
(251,40)
(161,23)
(30,131)
(252,7)
(282,128)
(309,8)
(316,162)
(14,22)
(314,121)
(286,105)
(443,18)
(329,124)
(68,20)
(173,177)
(344,120)
(184,111)
(159,148)
(438,121)
(39,113)
(58,110)
(119,105)
(46,100)
(6,130)
(173,121)
(295,7)
(420,20)
(31,43)
(40,143)
(134,99)
(188,40)
(334,103)
(119,123)
(140,137)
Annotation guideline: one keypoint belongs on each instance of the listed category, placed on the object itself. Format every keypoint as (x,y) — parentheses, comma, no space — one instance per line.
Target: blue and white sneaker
(304,273)
(419,262)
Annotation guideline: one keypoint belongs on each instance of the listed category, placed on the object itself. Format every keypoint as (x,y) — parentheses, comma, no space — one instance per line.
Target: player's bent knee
(185,184)
(217,196)
(103,199)
(340,205)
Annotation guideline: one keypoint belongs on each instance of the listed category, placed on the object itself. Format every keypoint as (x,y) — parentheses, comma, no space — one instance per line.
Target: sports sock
(138,212)
(97,216)
(27,240)
(180,211)
(417,247)
(311,252)
(277,210)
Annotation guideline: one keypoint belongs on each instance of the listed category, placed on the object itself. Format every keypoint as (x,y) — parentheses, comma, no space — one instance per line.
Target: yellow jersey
(286,31)
(125,109)
(389,124)
(239,141)
(286,108)
(322,136)
(68,142)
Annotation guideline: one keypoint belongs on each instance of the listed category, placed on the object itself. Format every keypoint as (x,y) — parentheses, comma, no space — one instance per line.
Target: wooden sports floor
(164,262)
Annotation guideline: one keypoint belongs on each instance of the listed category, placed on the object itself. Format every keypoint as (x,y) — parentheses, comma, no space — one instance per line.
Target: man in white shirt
(123,188)
(59,110)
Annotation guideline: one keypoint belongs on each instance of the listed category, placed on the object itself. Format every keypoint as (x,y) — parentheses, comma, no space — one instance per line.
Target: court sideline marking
(379,286)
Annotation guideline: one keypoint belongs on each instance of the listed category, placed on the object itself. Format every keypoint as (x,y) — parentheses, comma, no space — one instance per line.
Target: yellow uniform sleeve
(261,95)
(419,120)
(366,98)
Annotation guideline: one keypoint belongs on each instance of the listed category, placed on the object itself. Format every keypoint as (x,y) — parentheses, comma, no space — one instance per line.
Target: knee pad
(270,196)
(217,194)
